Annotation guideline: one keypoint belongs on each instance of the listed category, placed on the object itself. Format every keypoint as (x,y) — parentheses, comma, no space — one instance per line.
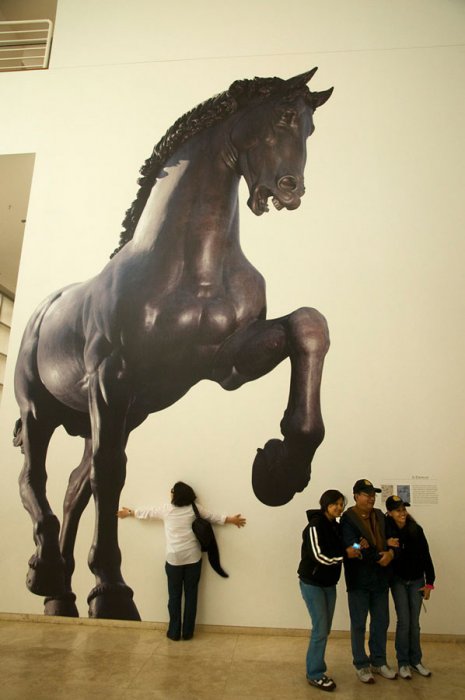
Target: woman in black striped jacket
(319,571)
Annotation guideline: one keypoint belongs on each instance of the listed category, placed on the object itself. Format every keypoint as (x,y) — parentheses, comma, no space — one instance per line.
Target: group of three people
(379,552)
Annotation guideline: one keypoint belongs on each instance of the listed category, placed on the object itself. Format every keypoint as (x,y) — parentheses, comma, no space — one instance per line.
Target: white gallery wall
(377,246)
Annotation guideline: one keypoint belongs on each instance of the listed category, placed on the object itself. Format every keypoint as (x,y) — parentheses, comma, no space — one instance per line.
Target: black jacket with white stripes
(322,551)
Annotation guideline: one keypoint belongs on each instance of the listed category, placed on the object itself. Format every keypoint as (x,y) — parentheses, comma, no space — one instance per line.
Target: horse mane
(204,115)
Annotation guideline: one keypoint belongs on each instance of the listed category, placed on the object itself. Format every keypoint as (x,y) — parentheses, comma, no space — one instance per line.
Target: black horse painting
(177,302)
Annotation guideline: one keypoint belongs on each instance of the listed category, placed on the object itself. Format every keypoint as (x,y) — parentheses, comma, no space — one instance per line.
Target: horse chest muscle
(191,326)
(184,321)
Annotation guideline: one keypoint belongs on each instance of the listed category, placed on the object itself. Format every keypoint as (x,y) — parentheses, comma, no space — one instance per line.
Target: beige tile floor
(43,661)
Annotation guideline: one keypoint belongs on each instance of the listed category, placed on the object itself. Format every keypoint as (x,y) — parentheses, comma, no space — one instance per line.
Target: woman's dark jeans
(182,579)
(407,600)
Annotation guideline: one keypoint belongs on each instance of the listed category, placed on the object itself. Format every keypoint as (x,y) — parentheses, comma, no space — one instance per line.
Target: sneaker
(404,672)
(385,672)
(364,675)
(419,668)
(323,683)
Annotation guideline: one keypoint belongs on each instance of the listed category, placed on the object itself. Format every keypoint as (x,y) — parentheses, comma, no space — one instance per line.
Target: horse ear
(319,98)
(300,80)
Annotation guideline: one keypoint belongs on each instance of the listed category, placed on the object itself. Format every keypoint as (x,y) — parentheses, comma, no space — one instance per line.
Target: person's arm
(236,520)
(428,566)
(316,551)
(352,535)
(385,558)
(156,513)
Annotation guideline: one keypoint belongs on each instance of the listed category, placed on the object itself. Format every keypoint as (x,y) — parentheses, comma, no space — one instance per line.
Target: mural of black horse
(178,302)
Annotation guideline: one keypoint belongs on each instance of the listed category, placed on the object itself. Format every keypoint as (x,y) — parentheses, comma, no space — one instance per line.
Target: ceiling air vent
(25,45)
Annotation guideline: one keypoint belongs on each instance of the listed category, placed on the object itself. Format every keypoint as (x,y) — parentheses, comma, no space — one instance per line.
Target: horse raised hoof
(46,577)
(63,605)
(112,601)
(279,472)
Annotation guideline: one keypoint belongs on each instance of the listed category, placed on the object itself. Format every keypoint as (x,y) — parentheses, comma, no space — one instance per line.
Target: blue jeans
(182,579)
(407,600)
(376,602)
(320,602)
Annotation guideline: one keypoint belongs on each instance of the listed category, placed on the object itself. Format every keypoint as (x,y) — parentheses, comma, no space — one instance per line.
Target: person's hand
(364,543)
(236,520)
(393,542)
(385,558)
(124,512)
(426,592)
(353,553)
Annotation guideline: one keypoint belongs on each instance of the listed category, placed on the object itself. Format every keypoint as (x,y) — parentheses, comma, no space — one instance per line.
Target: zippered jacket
(364,573)
(322,551)
(413,560)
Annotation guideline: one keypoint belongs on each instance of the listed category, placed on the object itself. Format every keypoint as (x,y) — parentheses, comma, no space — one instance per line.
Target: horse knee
(309,331)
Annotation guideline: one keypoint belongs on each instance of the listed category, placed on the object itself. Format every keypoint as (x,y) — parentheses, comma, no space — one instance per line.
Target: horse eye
(287,118)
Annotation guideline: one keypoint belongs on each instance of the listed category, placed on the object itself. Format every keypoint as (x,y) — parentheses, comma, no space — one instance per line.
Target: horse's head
(268,138)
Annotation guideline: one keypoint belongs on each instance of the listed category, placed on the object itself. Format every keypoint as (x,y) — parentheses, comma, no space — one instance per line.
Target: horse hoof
(278,474)
(63,606)
(112,602)
(46,577)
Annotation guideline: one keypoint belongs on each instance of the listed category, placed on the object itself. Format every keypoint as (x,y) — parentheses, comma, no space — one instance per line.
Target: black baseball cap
(366,486)
(395,502)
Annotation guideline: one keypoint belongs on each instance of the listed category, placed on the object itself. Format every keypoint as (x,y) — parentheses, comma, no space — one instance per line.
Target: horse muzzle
(287,194)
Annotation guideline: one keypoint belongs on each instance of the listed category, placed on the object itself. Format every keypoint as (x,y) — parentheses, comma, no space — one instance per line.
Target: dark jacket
(413,560)
(364,573)
(322,551)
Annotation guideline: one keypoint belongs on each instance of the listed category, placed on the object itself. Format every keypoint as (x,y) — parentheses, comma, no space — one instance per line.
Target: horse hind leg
(46,566)
(77,497)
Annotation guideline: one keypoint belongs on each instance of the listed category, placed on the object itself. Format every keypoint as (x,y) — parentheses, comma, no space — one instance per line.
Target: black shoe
(173,637)
(186,637)
(323,683)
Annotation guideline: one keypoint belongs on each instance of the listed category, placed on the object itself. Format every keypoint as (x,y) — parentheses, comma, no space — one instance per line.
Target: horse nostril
(288,182)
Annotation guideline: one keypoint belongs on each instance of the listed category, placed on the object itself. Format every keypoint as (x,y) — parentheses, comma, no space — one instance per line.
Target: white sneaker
(385,672)
(364,675)
(419,668)
(404,672)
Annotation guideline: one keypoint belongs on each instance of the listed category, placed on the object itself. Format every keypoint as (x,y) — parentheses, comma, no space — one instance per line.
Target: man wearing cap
(367,580)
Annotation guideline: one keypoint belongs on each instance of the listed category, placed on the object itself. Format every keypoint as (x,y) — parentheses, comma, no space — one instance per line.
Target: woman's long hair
(182,494)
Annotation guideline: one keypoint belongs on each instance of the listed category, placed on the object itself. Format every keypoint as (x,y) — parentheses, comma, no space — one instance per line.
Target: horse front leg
(108,402)
(302,424)
(77,497)
(282,467)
